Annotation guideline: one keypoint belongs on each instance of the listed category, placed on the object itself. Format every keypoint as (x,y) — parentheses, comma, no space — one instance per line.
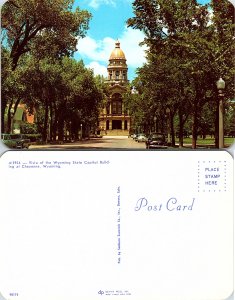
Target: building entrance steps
(115,137)
(115,132)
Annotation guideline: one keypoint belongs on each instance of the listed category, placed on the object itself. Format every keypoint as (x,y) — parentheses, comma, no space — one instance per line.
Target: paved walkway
(107,142)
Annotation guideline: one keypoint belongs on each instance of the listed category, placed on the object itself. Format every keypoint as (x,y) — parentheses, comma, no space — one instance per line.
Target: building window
(117,108)
(107,109)
(117,74)
(116,104)
(125,125)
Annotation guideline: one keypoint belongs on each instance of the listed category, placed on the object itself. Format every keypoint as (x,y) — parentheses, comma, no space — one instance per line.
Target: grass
(228,141)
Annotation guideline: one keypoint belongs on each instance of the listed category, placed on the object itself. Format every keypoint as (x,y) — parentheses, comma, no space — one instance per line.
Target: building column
(110,107)
(123,124)
(128,124)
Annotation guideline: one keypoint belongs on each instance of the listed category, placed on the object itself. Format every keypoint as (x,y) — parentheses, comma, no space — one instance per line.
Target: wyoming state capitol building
(114,118)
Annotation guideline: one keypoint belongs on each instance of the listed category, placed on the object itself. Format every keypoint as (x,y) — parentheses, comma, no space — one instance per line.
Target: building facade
(114,118)
(19,119)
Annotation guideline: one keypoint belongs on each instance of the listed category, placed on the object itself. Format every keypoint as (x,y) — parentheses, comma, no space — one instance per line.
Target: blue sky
(107,25)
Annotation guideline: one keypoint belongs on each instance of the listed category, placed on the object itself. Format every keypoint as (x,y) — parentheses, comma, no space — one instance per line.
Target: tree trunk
(54,128)
(51,122)
(9,128)
(3,111)
(61,129)
(181,130)
(194,129)
(172,130)
(44,132)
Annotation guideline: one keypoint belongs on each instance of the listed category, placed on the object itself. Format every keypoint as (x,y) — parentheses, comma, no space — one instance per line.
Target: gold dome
(117,53)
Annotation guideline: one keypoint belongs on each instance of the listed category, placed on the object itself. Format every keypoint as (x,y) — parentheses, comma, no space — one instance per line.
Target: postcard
(117,123)
(116,225)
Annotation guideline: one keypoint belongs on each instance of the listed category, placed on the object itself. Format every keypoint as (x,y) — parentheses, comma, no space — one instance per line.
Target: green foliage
(135,106)
(63,93)
(189,48)
(28,128)
(39,37)
(42,27)
(12,89)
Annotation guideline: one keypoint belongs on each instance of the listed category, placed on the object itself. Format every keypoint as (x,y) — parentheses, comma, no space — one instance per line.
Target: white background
(58,227)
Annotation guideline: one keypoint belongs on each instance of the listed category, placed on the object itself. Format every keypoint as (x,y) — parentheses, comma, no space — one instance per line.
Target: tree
(64,95)
(46,30)
(12,88)
(84,96)
(183,34)
(223,60)
(137,108)
(43,23)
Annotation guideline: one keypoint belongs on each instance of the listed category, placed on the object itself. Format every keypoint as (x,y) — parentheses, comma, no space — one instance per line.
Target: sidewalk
(121,137)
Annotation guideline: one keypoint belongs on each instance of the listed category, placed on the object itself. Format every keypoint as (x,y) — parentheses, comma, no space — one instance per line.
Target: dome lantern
(117,53)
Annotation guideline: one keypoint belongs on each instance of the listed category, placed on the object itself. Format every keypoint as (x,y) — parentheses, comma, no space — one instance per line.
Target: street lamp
(221,86)
(81,130)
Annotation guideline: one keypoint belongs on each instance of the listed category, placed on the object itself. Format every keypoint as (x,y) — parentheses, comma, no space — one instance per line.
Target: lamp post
(221,86)
(81,130)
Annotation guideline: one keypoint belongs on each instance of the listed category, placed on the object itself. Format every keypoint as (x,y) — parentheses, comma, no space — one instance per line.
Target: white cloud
(97,68)
(96,3)
(99,51)
(96,50)
(211,16)
(134,53)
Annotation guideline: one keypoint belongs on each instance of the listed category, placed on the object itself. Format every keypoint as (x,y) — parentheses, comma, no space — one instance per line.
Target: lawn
(228,141)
